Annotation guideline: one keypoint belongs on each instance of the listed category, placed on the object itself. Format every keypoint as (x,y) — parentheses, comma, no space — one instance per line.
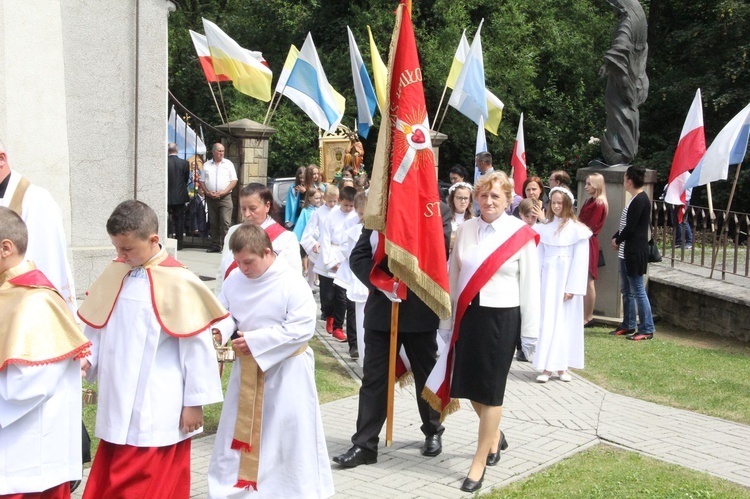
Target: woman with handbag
(593,213)
(631,243)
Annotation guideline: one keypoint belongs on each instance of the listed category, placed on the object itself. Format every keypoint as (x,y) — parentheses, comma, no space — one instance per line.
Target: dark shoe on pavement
(354,353)
(590,323)
(213,250)
(520,356)
(433,445)
(494,457)
(470,485)
(620,331)
(356,456)
(640,336)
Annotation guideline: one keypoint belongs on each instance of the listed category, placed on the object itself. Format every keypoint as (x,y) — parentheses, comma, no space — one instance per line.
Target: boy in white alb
(310,243)
(270,438)
(40,377)
(149,320)
(356,292)
(332,235)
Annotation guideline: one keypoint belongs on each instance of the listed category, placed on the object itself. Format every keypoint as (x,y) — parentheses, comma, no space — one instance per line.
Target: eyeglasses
(461,198)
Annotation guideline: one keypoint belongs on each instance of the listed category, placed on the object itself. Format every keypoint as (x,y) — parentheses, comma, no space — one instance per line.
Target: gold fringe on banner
(437,404)
(405,266)
(377,198)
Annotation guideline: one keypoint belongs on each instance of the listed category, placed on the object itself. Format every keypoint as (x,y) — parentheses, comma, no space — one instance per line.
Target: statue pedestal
(608,299)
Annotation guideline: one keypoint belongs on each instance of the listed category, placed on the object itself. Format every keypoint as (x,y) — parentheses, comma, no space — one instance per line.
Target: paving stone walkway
(543,424)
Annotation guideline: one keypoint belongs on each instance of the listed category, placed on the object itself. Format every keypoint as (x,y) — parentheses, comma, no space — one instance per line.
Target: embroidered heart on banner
(418,136)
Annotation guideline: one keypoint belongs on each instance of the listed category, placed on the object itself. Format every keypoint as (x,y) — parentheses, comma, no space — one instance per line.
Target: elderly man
(47,246)
(178,175)
(217,181)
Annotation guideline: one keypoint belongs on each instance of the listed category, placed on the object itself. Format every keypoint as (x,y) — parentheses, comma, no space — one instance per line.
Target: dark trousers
(343,309)
(327,295)
(219,218)
(421,348)
(176,223)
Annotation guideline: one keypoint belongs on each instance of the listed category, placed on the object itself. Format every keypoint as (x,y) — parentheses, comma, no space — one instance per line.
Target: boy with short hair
(332,235)
(526,212)
(270,436)
(149,320)
(40,377)
(356,291)
(310,243)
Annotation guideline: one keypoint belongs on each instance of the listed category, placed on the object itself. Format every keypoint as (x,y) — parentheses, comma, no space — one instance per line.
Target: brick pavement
(543,424)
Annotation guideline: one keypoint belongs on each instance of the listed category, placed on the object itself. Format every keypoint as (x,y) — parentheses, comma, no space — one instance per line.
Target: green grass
(685,371)
(605,471)
(332,380)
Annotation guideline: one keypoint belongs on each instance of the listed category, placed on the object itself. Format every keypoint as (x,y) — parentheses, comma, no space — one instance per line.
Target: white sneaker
(566,377)
(542,378)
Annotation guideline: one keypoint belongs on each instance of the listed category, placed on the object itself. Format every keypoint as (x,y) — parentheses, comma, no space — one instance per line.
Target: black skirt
(484,352)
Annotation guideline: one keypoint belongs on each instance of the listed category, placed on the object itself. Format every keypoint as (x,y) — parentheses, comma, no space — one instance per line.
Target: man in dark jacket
(178,175)
(417,329)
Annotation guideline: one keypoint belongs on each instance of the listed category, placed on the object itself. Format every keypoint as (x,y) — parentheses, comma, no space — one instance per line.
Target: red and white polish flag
(690,150)
(518,160)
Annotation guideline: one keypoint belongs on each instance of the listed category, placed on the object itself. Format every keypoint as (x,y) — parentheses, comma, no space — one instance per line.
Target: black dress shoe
(494,457)
(520,356)
(356,456)
(433,445)
(213,250)
(470,485)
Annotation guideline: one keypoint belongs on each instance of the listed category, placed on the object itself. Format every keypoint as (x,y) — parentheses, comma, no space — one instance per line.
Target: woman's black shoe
(494,457)
(470,485)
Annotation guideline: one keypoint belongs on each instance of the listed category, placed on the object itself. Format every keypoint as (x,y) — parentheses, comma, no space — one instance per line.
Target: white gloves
(445,334)
(392,295)
(528,345)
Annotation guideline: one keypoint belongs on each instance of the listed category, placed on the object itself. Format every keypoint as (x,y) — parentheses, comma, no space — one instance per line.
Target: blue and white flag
(188,143)
(468,95)
(308,87)
(728,148)
(367,101)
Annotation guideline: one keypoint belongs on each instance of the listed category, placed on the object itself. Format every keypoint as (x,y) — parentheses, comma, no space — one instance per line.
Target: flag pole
(445,89)
(221,94)
(211,88)
(392,373)
(711,214)
(443,118)
(726,220)
(268,111)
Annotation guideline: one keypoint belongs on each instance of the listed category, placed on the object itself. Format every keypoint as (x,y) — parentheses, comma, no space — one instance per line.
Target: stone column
(608,299)
(249,153)
(437,140)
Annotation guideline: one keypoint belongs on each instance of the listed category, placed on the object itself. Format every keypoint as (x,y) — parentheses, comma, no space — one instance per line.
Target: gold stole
(247,427)
(16,202)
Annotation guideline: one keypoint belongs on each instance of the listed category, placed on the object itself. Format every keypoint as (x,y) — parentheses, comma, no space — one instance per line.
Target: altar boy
(149,320)
(270,438)
(40,377)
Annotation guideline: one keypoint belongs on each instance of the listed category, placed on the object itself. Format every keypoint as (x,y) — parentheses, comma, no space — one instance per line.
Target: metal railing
(729,244)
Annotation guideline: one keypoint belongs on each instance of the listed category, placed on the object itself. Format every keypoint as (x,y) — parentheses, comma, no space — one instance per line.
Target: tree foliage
(541,58)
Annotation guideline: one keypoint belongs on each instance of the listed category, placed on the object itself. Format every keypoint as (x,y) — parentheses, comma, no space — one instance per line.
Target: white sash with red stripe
(479,265)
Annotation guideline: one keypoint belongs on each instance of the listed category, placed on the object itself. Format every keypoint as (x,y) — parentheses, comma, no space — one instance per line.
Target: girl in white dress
(563,256)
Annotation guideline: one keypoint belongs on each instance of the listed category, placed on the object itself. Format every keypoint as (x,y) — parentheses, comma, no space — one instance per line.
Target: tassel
(241,446)
(246,484)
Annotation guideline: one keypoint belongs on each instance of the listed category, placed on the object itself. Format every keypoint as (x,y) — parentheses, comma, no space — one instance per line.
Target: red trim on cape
(77,353)
(246,484)
(100,326)
(274,230)
(158,316)
(170,261)
(477,281)
(34,278)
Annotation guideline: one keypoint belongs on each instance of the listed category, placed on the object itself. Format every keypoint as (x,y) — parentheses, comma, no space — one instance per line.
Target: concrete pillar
(437,140)
(608,300)
(249,152)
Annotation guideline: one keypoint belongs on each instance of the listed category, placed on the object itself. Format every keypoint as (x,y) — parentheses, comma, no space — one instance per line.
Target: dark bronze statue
(627,83)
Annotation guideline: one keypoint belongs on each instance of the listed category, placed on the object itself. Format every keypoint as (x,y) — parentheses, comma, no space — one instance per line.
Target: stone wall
(697,303)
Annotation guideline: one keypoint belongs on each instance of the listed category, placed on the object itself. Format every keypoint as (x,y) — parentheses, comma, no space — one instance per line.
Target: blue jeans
(634,293)
(681,228)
